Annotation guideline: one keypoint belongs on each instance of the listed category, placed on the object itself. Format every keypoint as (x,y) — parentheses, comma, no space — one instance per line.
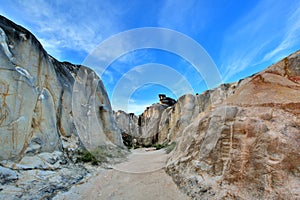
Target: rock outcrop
(127,123)
(245,145)
(144,128)
(41,122)
(163,99)
(161,123)
(36,97)
(237,141)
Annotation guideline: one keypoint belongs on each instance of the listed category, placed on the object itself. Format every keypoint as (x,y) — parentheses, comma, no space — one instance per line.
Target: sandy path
(141,177)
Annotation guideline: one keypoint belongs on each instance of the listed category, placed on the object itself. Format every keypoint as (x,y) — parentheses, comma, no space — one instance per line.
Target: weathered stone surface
(41,184)
(149,124)
(237,141)
(92,111)
(246,143)
(44,160)
(144,128)
(40,128)
(128,123)
(36,113)
(160,123)
(163,99)
(7,175)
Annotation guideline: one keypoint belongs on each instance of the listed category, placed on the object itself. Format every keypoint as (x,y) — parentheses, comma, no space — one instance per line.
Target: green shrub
(170,147)
(87,157)
(159,146)
(147,145)
(103,154)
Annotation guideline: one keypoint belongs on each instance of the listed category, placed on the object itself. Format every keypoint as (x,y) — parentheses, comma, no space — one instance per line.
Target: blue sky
(241,37)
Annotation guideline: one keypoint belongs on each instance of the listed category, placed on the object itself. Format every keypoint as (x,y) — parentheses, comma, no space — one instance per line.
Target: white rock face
(144,128)
(127,123)
(149,124)
(41,128)
(162,124)
(36,113)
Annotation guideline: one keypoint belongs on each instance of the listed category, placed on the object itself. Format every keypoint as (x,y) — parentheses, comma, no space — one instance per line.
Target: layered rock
(148,124)
(246,145)
(163,99)
(237,141)
(38,184)
(161,123)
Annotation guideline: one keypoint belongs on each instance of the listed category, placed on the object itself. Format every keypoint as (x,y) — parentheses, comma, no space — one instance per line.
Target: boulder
(7,175)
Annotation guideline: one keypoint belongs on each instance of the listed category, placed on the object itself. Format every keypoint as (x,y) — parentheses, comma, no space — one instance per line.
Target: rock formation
(39,127)
(36,97)
(244,145)
(161,123)
(145,128)
(237,141)
(127,124)
(164,100)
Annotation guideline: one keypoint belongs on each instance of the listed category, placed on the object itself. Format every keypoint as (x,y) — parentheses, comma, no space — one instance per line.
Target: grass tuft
(170,147)
(103,154)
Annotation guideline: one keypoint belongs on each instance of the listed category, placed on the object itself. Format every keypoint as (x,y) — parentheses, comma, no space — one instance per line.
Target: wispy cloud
(245,38)
(178,15)
(52,46)
(142,77)
(292,35)
(76,26)
(258,37)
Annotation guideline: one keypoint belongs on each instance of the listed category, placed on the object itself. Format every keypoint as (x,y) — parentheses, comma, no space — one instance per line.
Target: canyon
(237,141)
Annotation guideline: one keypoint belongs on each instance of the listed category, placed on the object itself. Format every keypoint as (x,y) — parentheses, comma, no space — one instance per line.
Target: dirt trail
(142,177)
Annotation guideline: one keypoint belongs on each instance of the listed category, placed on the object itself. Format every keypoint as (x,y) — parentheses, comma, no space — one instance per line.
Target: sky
(238,37)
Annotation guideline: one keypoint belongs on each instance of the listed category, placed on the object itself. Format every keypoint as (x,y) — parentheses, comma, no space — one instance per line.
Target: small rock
(7,175)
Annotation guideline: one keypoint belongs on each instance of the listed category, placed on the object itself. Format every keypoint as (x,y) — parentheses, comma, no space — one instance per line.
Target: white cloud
(52,46)
(76,26)
(292,33)
(259,37)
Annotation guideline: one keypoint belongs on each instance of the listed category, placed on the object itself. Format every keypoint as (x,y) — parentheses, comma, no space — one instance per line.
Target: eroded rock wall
(36,113)
(237,141)
(160,123)
(245,146)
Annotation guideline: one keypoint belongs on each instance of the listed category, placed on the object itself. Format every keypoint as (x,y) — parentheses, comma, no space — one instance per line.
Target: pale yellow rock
(36,94)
